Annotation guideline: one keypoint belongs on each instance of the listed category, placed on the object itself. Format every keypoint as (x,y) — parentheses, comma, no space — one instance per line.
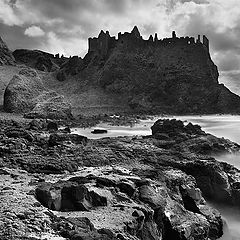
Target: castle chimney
(119,35)
(174,34)
(155,37)
(199,39)
(150,38)
(135,32)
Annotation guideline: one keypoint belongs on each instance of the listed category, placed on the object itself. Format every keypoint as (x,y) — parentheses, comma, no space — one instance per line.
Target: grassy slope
(85,98)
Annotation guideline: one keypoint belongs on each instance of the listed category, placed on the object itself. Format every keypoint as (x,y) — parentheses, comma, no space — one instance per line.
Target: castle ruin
(104,42)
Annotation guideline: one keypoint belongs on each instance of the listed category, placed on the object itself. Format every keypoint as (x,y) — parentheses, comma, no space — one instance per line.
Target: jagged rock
(155,199)
(68,196)
(158,212)
(211,179)
(6,56)
(174,127)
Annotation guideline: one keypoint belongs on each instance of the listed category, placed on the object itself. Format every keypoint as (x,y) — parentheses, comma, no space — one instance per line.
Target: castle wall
(105,42)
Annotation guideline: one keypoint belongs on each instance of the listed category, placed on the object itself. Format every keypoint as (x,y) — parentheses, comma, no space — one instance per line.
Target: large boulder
(68,196)
(26,93)
(21,90)
(165,128)
(6,56)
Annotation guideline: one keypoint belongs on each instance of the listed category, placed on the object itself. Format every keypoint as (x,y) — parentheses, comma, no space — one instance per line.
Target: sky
(63,26)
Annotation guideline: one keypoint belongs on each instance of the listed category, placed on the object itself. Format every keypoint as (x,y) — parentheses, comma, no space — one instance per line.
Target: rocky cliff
(6,56)
(173,75)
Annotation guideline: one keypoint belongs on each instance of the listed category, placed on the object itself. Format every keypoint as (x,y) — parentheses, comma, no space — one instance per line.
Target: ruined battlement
(104,42)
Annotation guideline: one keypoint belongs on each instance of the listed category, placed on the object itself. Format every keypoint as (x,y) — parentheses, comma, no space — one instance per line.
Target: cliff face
(6,56)
(173,75)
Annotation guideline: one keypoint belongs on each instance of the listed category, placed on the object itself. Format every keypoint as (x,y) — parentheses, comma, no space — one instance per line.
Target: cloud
(7,14)
(34,31)
(70,46)
(68,23)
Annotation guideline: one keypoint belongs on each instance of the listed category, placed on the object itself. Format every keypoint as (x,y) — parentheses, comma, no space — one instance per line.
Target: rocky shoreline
(58,185)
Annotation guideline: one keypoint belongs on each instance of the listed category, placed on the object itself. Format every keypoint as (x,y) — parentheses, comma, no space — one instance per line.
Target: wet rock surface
(151,187)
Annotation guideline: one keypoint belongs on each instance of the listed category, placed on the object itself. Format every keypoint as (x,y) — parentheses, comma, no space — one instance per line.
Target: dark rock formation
(6,56)
(68,196)
(156,211)
(175,127)
(99,131)
(172,75)
(26,93)
(38,59)
(70,68)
